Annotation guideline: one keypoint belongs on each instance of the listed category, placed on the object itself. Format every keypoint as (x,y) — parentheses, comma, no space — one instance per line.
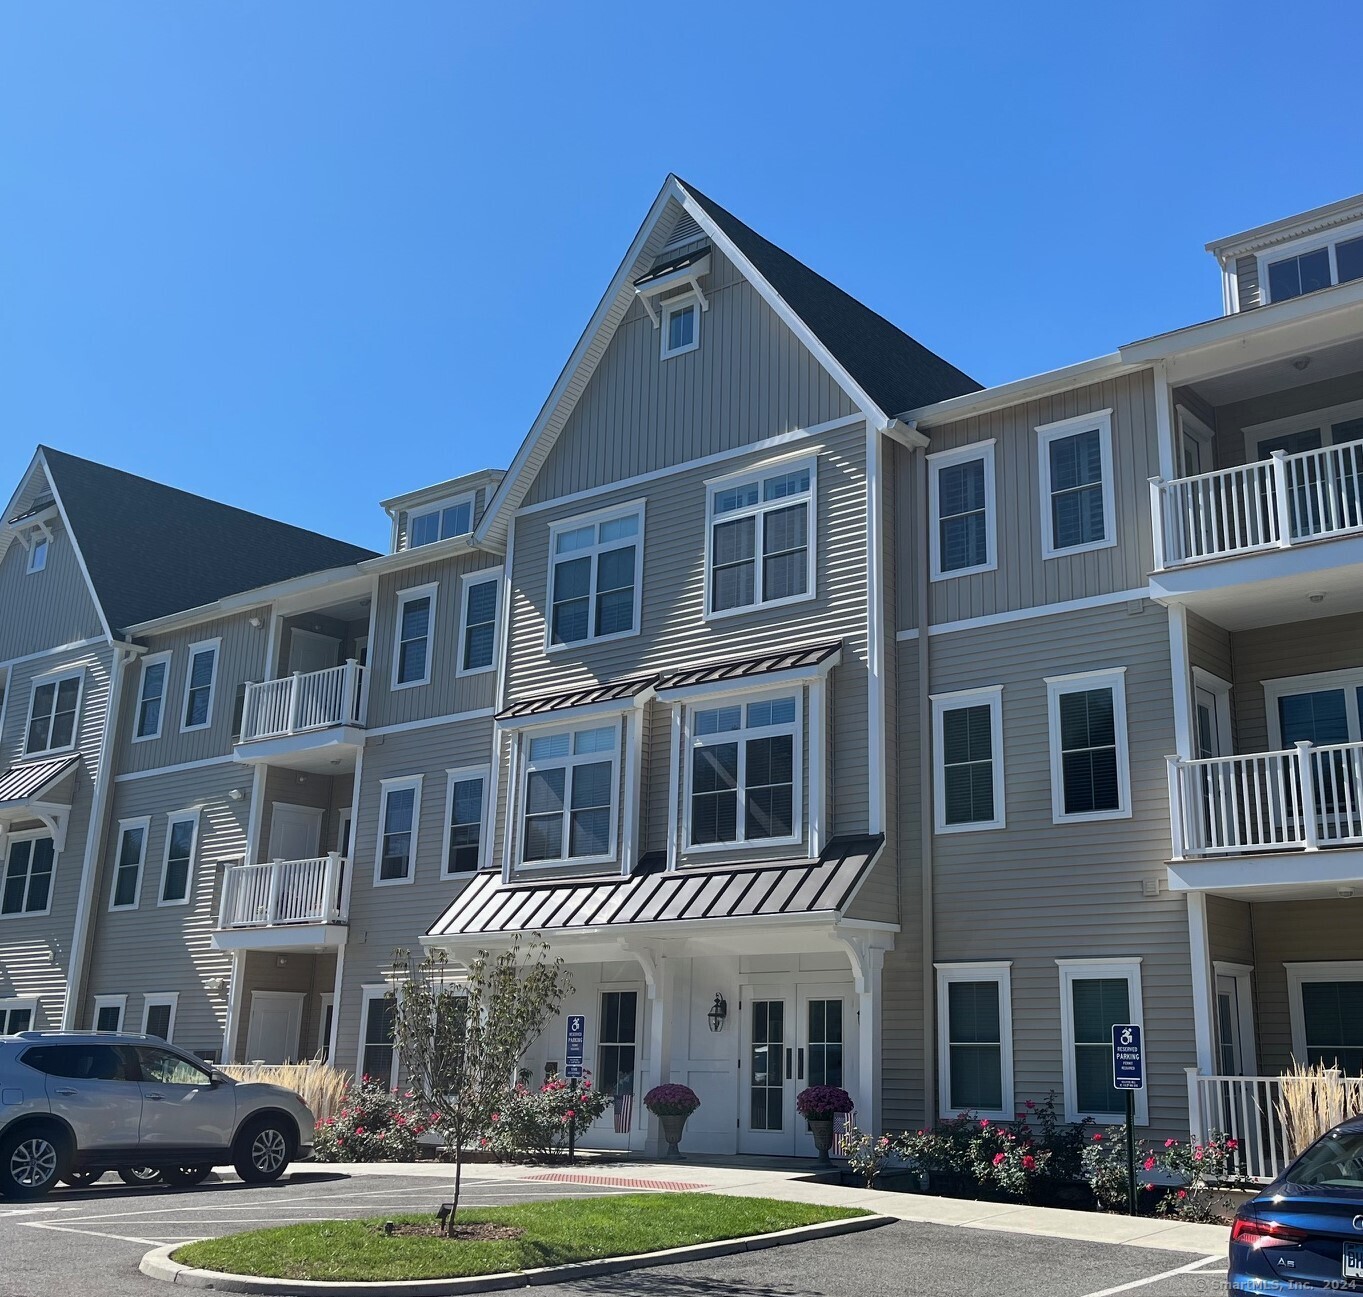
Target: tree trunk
(458,1176)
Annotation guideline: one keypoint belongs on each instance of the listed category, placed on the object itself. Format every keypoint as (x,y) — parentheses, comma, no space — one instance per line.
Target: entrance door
(295,832)
(276,1018)
(766,1102)
(1229,1054)
(1211,738)
(309,651)
(825,1053)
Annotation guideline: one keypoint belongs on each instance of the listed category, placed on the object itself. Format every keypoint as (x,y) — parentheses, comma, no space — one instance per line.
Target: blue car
(1304,1232)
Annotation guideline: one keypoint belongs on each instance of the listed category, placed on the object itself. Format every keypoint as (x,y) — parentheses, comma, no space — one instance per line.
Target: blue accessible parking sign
(572,1062)
(1128,1058)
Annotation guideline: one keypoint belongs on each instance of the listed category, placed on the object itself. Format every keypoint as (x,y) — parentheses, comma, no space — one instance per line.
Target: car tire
(138,1176)
(81,1179)
(32,1161)
(263,1149)
(181,1177)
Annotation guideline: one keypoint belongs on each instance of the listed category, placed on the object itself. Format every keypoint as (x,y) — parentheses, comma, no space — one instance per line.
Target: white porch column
(229,1031)
(868,1040)
(661,1030)
(336,1006)
(1203,1001)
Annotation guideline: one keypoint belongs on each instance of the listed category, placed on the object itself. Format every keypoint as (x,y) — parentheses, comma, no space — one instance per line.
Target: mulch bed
(476,1233)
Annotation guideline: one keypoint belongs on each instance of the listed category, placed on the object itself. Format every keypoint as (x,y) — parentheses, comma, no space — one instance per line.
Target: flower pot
(673,1125)
(821,1128)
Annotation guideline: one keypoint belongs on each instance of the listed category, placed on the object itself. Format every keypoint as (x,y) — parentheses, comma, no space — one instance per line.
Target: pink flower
(1197,1155)
(983,1123)
(359,1130)
(999,1158)
(1182,1193)
(1232,1143)
(482,1143)
(1028,1162)
(569,1115)
(1170,1143)
(496,1116)
(1098,1137)
(1149,1163)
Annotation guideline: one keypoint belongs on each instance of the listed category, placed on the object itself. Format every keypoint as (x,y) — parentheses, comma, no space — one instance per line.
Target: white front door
(295,832)
(1212,741)
(309,651)
(766,1099)
(825,1051)
(1230,1055)
(272,1034)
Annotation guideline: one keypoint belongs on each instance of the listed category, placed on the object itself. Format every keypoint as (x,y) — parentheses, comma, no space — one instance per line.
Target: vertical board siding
(749,379)
(44,609)
(1023,579)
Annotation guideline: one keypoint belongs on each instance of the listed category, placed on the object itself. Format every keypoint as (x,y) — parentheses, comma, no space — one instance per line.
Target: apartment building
(837,720)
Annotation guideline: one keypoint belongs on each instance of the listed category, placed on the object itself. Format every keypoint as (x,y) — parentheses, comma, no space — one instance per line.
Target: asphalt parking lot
(91,1240)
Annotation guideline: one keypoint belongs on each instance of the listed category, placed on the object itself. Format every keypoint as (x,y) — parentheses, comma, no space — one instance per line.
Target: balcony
(285,904)
(308,720)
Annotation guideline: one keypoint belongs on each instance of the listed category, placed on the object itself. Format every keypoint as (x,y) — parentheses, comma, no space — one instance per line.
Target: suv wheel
(181,1177)
(263,1150)
(140,1175)
(79,1179)
(32,1160)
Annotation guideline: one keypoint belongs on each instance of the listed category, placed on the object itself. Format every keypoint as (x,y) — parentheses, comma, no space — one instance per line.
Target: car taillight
(1265,1233)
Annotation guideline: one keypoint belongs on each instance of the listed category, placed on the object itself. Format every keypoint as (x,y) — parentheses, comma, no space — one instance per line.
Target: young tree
(460,1035)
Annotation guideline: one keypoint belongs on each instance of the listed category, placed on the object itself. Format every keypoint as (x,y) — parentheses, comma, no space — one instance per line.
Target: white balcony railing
(1272,504)
(304,701)
(1246,1109)
(1302,799)
(284,892)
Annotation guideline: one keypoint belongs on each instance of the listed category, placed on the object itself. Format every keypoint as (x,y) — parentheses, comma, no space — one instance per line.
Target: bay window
(568,796)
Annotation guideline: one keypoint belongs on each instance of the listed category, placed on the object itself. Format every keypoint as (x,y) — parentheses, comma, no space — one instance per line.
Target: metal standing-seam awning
(24,793)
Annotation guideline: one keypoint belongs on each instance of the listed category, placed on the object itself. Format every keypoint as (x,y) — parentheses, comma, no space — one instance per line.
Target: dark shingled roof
(894,370)
(153,550)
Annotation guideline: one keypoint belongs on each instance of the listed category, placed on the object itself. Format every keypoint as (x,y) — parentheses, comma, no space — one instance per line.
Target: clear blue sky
(300,256)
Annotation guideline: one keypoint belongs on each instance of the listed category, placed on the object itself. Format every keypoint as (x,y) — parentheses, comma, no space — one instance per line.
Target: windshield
(1335,1162)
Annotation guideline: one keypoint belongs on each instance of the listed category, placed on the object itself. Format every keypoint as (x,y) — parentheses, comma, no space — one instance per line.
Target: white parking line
(1156,1278)
(94,1233)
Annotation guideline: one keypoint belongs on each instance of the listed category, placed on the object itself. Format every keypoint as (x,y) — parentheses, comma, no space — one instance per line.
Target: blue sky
(302,256)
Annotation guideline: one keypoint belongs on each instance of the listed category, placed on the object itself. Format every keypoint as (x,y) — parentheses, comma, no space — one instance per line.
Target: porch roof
(764,889)
(20,784)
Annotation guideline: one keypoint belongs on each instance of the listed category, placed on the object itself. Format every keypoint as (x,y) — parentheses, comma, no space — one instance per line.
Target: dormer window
(1311,269)
(681,327)
(672,296)
(37,554)
(429,523)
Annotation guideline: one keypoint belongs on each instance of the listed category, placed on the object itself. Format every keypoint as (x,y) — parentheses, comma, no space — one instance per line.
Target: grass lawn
(567,1229)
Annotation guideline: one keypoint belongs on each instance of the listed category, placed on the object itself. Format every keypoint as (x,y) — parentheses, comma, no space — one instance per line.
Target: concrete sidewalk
(791,1182)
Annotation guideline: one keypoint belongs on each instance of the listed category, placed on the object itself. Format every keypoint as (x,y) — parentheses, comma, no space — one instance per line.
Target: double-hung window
(465,813)
(569,795)
(199,685)
(429,523)
(480,593)
(1095,996)
(158,1015)
(968,739)
(975,1042)
(961,508)
(744,772)
(52,710)
(29,863)
(681,325)
(109,1011)
(151,696)
(595,577)
(16,1016)
(399,819)
(761,538)
(1325,1008)
(128,862)
(378,1022)
(1078,502)
(413,634)
(1090,767)
(177,872)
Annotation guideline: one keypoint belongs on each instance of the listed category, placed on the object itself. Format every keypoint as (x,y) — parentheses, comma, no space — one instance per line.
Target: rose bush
(533,1124)
(866,1154)
(373,1124)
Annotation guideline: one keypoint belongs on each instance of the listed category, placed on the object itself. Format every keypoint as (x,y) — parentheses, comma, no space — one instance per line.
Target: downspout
(124,655)
(925,803)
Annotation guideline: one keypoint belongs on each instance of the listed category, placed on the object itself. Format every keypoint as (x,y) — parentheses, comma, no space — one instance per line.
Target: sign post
(1128,1075)
(572,1069)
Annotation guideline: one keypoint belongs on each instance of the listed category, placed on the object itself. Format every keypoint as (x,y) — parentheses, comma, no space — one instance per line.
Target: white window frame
(37,554)
(740,736)
(190,816)
(54,678)
(1298,974)
(7,840)
(1324,419)
(992,697)
(1349,680)
(386,787)
(485,576)
(666,310)
(1301,247)
(119,1002)
(1101,420)
(142,822)
(325,1001)
(456,775)
(201,646)
(1000,972)
(528,767)
(20,1002)
(368,992)
(593,552)
(429,591)
(768,468)
(156,1000)
(151,660)
(983,451)
(1071,971)
(1243,976)
(439,507)
(1077,682)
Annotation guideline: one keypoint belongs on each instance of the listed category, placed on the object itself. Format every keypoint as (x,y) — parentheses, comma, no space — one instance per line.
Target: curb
(157,1264)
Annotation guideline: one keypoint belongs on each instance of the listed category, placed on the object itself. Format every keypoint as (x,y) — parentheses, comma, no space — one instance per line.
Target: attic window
(37,554)
(681,326)
(676,316)
(1308,269)
(439,521)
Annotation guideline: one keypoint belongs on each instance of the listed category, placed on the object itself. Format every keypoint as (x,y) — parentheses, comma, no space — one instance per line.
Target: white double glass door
(792,1038)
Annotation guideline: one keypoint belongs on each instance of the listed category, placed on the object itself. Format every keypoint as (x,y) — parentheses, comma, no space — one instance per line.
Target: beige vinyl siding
(446,693)
(312,976)
(1232,444)
(44,609)
(1272,652)
(346,633)
(1023,579)
(749,379)
(480,498)
(241,657)
(1230,932)
(1036,891)
(157,948)
(1247,282)
(331,795)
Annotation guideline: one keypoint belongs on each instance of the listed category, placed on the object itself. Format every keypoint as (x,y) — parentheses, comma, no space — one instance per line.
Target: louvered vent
(684,231)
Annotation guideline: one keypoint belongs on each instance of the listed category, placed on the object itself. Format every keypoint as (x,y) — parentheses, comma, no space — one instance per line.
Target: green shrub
(372,1125)
(534,1124)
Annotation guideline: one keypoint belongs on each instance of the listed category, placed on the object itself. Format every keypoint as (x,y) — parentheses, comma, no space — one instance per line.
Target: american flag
(624,1108)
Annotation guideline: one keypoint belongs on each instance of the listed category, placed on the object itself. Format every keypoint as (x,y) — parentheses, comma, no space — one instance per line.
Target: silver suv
(76,1104)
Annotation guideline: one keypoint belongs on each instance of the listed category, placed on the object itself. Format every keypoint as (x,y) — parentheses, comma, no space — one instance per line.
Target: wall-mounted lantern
(719,1010)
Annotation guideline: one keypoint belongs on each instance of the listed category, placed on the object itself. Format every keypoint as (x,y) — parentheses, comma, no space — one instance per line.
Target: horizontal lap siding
(311,975)
(1230,933)
(322,792)
(44,609)
(1232,443)
(1037,891)
(749,379)
(157,948)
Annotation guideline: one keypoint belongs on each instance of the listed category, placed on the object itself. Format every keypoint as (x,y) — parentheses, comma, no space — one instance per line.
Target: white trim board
(1027,614)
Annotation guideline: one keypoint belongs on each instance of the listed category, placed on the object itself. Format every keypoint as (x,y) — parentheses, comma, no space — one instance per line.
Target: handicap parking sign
(1128,1057)
(572,1063)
